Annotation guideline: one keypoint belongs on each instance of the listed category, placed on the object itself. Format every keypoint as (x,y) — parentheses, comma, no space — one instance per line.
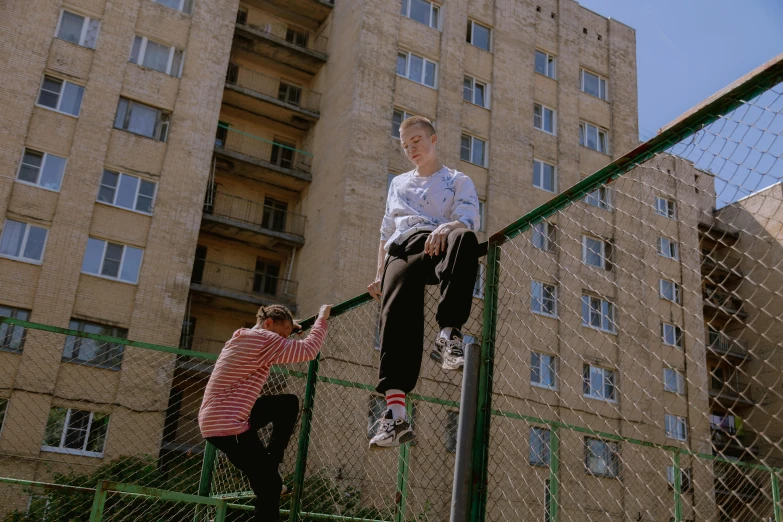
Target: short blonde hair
(418,120)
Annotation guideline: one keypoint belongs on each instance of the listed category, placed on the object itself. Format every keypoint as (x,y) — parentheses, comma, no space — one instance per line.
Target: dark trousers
(258,462)
(408,270)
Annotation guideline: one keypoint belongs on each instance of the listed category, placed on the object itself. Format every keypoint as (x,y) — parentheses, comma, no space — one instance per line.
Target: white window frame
(85,27)
(607,313)
(405,116)
(185,6)
(473,83)
(71,451)
(40,170)
(551,65)
(543,108)
(603,83)
(25,237)
(686,479)
(478,286)
(546,443)
(541,367)
(675,427)
(482,215)
(408,55)
(607,376)
(602,253)
(135,197)
(668,248)
(540,299)
(472,141)
(547,234)
(434,13)
(600,198)
(678,378)
(59,96)
(613,448)
(538,165)
(473,24)
(143,52)
(665,207)
(676,333)
(583,128)
(122,262)
(162,120)
(676,290)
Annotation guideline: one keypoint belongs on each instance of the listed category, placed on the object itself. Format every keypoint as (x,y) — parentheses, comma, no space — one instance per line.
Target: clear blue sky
(689,49)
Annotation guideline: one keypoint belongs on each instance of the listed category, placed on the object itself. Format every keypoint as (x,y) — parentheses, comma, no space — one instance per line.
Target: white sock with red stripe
(395,401)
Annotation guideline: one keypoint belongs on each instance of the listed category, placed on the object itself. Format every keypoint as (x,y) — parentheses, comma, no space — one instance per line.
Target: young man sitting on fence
(427,237)
(232,411)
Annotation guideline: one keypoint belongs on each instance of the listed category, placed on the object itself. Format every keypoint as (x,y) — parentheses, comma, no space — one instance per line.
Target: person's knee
(464,236)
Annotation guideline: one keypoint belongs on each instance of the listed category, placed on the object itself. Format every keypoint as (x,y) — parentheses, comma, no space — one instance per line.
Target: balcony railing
(255,213)
(739,481)
(727,437)
(721,344)
(243,284)
(278,29)
(724,301)
(732,389)
(280,90)
(274,153)
(203,344)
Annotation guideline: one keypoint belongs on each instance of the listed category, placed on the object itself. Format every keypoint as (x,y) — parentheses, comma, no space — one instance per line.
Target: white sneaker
(391,432)
(451,351)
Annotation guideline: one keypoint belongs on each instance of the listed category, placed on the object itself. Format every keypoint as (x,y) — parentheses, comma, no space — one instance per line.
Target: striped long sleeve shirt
(241,371)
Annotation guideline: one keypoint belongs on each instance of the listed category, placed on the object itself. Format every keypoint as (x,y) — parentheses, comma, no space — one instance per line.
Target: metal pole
(304,439)
(205,481)
(677,488)
(554,474)
(460,491)
(98,502)
(403,463)
(776,495)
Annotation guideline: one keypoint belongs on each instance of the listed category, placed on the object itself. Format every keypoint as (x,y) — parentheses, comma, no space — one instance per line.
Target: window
(188,329)
(266,277)
(92,352)
(199,264)
(479,35)
(452,428)
(3,409)
(482,215)
(544,299)
(598,383)
(11,335)
(543,118)
(156,56)
(594,137)
(472,150)
(476,92)
(186,6)
(39,507)
(539,447)
(23,241)
(599,198)
(398,116)
(125,191)
(275,213)
(671,335)
(602,457)
(670,291)
(478,287)
(61,96)
(78,29)
(592,84)
(77,432)
(598,313)
(543,236)
(676,427)
(665,207)
(544,176)
(668,248)
(42,169)
(673,381)
(283,154)
(546,64)
(289,93)
(221,134)
(417,69)
(422,11)
(296,36)
(543,370)
(142,119)
(596,252)
(112,260)
(685,478)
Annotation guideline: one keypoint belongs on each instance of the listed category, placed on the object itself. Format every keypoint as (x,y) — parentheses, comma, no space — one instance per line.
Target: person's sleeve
(283,351)
(466,204)
(387,225)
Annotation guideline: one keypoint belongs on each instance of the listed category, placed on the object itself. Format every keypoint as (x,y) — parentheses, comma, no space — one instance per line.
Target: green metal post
(220,511)
(205,481)
(677,488)
(776,495)
(98,502)
(304,440)
(554,474)
(478,503)
(402,475)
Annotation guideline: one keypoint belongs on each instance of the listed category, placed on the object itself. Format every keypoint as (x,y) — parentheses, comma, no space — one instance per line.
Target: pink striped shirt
(241,371)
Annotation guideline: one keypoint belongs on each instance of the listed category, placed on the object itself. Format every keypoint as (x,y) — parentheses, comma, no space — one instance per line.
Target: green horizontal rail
(259,138)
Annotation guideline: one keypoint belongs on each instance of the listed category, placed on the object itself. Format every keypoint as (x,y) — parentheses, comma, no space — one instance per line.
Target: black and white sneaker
(450,352)
(391,432)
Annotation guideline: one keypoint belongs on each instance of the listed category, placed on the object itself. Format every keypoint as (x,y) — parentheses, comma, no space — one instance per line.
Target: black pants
(260,463)
(408,270)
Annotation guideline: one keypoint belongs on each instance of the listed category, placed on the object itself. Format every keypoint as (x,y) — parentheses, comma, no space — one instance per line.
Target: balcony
(274,98)
(313,11)
(730,393)
(252,222)
(738,483)
(249,286)
(718,272)
(259,159)
(276,39)
(727,440)
(717,233)
(724,346)
(721,303)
